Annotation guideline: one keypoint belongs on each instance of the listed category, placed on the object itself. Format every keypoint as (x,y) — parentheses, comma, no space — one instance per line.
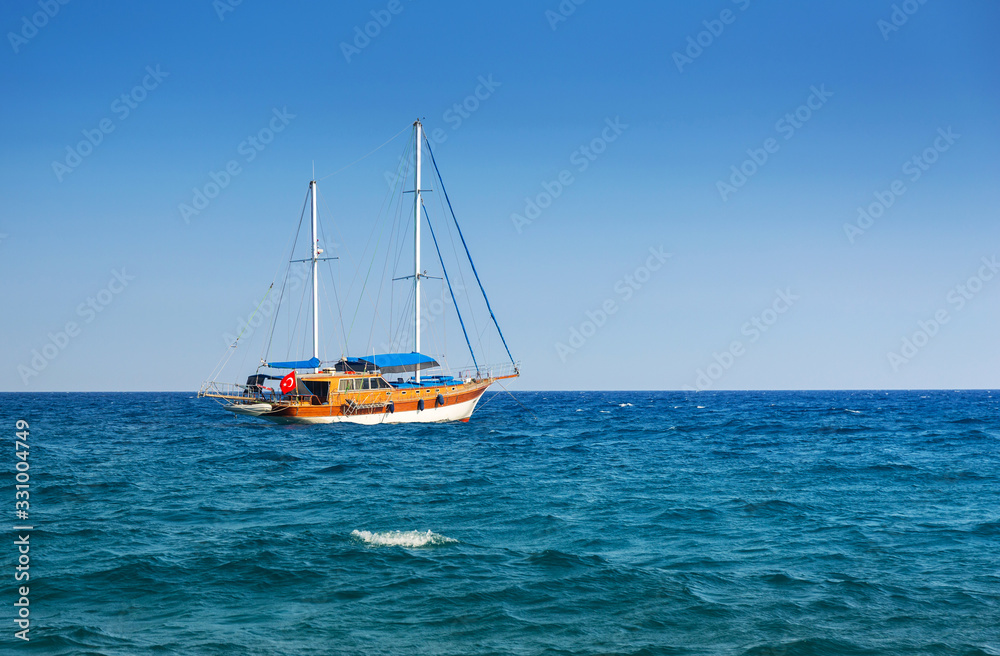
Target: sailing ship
(395,387)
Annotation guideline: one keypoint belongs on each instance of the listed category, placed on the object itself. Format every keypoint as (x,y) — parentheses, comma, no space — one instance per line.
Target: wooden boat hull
(405,407)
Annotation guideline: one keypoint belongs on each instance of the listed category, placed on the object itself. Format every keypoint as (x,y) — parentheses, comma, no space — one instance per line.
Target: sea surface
(756,524)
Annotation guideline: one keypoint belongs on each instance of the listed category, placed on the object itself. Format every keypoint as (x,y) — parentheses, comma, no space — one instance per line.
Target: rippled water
(605,523)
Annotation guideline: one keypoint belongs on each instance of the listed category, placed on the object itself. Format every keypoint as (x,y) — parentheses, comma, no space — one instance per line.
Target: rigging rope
(448,200)
(446,279)
(461,276)
(365,156)
(378,241)
(253,314)
(284,283)
(516,401)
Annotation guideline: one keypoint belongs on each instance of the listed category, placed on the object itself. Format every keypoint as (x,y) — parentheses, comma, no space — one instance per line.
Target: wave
(337,469)
(811,646)
(687,514)
(773,507)
(402,538)
(987,529)
(561,559)
(967,420)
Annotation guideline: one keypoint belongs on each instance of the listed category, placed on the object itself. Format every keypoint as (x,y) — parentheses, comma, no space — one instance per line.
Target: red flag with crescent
(288,383)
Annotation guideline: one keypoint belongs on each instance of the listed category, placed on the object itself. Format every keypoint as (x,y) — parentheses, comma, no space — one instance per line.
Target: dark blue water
(764,524)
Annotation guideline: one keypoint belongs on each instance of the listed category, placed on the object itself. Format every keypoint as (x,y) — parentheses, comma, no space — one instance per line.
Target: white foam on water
(700,407)
(624,405)
(402,538)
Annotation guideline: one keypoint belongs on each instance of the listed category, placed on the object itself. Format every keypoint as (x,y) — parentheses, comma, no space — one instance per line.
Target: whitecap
(605,411)
(701,406)
(402,538)
(624,405)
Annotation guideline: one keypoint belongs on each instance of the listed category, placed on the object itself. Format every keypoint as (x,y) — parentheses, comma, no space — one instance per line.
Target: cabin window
(347,385)
(365,383)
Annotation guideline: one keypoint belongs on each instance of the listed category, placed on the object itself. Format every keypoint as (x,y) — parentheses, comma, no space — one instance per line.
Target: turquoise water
(765,524)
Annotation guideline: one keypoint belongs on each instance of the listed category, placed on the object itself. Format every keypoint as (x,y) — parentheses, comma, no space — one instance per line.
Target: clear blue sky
(686,115)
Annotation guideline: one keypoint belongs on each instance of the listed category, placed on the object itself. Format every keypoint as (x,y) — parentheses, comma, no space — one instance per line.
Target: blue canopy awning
(295,364)
(391,363)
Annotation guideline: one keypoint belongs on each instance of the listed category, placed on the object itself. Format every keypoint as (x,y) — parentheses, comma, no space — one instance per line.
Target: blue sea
(640,523)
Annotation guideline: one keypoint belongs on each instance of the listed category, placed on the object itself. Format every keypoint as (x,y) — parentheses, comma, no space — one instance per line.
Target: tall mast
(416,249)
(315,257)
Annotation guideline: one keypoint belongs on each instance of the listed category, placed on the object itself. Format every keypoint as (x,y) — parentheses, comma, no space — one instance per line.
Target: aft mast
(418,133)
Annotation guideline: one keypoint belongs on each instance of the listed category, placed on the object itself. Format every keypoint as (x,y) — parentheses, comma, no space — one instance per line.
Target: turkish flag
(288,383)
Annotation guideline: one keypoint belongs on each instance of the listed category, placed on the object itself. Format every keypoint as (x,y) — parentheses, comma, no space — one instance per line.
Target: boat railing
(447,376)
(501,370)
(236,391)
(253,394)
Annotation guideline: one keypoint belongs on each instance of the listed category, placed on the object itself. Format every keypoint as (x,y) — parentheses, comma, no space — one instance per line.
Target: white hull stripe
(454,412)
